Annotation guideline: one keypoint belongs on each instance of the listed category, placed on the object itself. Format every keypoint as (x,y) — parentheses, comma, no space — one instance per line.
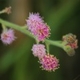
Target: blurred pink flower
(49,63)
(7,36)
(37,26)
(39,50)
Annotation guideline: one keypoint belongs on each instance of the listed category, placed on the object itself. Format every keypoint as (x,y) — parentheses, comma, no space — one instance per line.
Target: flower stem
(55,43)
(4,27)
(16,27)
(25,31)
(47,47)
(1,12)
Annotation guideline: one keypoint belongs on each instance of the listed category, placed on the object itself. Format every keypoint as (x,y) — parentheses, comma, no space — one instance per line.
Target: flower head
(7,36)
(37,27)
(42,32)
(39,50)
(49,63)
(71,40)
(33,21)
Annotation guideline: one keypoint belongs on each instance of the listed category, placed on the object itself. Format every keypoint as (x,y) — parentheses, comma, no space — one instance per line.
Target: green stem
(47,47)
(55,43)
(25,31)
(16,27)
(3,11)
(4,27)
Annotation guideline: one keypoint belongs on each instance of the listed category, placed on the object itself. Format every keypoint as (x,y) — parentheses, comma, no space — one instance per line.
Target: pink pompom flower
(33,21)
(39,50)
(42,32)
(7,36)
(49,63)
(37,26)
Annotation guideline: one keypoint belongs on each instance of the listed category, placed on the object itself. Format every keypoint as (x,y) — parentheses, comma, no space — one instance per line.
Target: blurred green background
(17,61)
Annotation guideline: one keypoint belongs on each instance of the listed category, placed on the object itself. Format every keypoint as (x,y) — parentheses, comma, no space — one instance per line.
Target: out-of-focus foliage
(17,61)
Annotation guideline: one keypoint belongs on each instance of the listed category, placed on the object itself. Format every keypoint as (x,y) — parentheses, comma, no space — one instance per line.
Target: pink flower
(49,63)
(33,21)
(37,27)
(7,36)
(39,50)
(42,32)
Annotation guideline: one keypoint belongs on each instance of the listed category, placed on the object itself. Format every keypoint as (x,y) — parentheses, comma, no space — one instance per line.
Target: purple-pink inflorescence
(7,36)
(49,63)
(37,26)
(39,50)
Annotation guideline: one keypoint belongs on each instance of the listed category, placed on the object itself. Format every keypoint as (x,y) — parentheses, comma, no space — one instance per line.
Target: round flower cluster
(7,36)
(39,50)
(48,62)
(37,26)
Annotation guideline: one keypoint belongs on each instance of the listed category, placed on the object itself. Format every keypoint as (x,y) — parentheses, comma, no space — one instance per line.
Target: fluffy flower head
(42,32)
(33,21)
(7,36)
(49,63)
(39,50)
(37,26)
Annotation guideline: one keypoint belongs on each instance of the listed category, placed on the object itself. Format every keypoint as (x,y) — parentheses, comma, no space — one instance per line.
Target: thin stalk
(47,47)
(16,27)
(55,43)
(1,12)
